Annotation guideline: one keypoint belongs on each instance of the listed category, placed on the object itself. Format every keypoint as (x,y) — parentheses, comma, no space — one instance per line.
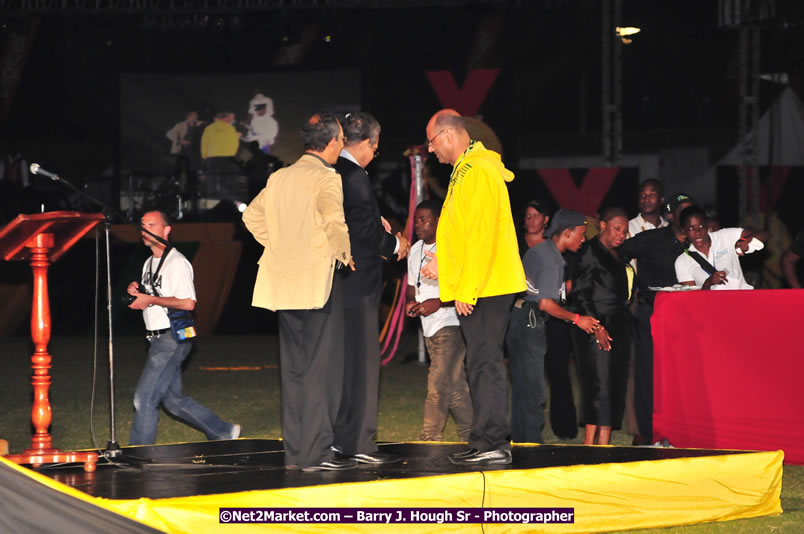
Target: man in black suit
(356,425)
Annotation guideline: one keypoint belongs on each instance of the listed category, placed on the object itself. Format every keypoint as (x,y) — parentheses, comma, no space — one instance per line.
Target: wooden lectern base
(55,456)
(42,238)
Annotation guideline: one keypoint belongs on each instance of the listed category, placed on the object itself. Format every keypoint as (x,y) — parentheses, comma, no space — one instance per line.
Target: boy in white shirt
(712,259)
(447,387)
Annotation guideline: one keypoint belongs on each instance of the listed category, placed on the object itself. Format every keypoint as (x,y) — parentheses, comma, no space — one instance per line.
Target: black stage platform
(212,467)
(186,487)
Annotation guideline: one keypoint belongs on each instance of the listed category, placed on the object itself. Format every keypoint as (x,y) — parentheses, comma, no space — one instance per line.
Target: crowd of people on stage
(210,156)
(483,291)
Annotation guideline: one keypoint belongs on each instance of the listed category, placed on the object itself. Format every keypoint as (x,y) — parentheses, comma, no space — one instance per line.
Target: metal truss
(612,83)
(30,7)
(748,171)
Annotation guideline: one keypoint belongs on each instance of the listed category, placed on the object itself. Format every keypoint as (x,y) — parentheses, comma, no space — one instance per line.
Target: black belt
(151,333)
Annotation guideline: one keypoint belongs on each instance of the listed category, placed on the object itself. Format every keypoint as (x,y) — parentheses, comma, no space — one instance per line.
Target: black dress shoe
(462,454)
(377,458)
(492,457)
(333,464)
(640,441)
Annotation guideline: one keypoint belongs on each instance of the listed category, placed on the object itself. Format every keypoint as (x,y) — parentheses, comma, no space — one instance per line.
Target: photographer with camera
(165,290)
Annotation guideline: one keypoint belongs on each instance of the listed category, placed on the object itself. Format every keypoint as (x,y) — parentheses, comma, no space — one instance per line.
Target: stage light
(241,206)
(626,30)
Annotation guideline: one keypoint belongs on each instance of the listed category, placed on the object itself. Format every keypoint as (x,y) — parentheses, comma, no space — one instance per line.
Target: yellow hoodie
(478,255)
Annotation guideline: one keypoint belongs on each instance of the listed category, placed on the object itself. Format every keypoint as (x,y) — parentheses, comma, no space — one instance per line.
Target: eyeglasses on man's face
(430,141)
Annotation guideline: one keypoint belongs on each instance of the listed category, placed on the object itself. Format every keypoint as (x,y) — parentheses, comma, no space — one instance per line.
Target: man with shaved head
(166,283)
(479,268)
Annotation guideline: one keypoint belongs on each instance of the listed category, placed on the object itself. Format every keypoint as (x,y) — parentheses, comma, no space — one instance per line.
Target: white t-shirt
(175,279)
(428,289)
(638,225)
(722,256)
(263,129)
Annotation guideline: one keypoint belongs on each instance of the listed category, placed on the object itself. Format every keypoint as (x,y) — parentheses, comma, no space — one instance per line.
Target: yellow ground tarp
(613,496)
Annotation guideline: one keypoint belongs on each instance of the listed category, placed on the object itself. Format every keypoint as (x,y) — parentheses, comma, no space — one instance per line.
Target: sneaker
(332,464)
(235,432)
(492,457)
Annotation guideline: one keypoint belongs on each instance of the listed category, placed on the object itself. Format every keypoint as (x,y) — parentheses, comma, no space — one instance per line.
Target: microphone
(36,169)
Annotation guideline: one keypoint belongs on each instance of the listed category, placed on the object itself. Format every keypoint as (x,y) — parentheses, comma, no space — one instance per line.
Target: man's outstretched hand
(431,269)
(404,247)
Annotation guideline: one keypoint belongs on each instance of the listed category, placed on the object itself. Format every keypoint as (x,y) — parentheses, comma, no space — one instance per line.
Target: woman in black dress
(602,288)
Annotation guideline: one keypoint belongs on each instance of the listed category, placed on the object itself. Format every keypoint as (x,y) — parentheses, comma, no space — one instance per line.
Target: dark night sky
(679,83)
(680,75)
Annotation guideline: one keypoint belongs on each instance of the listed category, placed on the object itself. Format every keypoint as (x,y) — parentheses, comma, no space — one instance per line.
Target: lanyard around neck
(421,264)
(460,160)
(152,276)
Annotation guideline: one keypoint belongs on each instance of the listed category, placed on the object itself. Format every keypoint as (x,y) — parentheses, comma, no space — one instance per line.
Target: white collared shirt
(722,256)
(638,225)
(348,155)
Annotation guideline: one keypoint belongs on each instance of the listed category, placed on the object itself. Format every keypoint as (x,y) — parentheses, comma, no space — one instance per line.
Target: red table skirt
(729,370)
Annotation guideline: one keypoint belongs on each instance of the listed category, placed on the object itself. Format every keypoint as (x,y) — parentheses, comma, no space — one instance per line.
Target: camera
(128,299)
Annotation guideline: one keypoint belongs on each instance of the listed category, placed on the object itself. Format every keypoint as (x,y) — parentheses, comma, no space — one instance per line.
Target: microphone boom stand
(112,450)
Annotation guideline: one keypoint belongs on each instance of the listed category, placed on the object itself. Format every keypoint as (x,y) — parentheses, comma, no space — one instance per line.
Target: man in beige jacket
(298,218)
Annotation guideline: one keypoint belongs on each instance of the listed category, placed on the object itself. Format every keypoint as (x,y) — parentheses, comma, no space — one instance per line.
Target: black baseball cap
(565,219)
(677,200)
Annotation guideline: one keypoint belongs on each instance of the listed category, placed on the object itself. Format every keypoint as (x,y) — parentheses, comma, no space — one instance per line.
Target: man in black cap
(656,252)
(526,339)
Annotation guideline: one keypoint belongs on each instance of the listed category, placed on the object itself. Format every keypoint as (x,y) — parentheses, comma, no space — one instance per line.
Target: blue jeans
(526,343)
(160,383)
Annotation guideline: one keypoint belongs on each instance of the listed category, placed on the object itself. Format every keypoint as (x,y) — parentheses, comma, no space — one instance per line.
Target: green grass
(251,398)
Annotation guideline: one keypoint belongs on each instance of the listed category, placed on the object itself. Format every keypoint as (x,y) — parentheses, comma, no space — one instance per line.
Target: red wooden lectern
(42,238)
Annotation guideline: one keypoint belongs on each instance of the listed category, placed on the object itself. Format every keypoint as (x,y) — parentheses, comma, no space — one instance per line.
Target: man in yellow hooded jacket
(480,269)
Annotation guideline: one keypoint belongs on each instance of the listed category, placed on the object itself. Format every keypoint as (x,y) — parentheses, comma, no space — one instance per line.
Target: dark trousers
(484,332)
(447,387)
(563,417)
(311,368)
(356,424)
(526,343)
(643,369)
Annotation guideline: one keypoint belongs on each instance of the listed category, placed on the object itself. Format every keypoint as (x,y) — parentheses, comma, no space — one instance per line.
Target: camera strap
(705,265)
(152,275)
